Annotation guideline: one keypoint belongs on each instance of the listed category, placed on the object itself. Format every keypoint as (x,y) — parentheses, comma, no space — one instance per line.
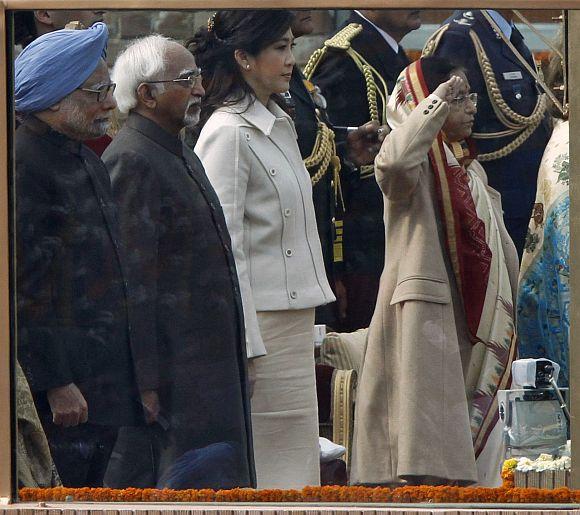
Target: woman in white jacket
(249,150)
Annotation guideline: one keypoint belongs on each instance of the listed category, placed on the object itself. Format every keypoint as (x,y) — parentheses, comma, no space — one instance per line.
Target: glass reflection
(176,243)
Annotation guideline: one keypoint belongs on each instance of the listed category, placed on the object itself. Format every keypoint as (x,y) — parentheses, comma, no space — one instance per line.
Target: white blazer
(251,157)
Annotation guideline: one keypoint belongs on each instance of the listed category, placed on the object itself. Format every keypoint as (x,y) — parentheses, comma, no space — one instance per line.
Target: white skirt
(284,406)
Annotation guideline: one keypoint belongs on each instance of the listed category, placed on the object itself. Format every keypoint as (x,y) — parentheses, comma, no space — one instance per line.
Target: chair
(336,375)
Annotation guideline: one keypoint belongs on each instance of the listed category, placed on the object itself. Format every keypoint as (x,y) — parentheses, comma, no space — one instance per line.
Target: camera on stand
(534,413)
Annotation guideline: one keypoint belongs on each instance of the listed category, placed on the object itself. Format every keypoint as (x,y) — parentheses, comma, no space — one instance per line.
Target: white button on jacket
(251,157)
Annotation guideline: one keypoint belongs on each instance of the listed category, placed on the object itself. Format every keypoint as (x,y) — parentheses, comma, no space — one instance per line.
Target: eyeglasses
(461,101)
(102,92)
(187,82)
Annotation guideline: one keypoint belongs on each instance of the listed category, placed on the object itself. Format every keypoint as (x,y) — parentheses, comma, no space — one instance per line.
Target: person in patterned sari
(544,288)
(441,341)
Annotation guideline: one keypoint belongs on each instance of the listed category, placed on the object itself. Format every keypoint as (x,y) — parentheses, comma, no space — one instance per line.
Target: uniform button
(247,136)
(435,100)
(518,96)
(289,252)
(430,107)
(425,112)
(287,212)
(273,171)
(293,294)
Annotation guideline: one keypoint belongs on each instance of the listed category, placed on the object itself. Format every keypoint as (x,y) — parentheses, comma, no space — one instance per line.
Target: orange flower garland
(507,472)
(353,494)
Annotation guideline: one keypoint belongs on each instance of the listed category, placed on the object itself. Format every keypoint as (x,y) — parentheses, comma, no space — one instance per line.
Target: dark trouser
(361,297)
(81,453)
(327,315)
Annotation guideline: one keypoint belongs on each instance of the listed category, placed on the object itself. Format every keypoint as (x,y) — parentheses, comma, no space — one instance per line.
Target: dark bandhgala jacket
(185,289)
(72,317)
(344,88)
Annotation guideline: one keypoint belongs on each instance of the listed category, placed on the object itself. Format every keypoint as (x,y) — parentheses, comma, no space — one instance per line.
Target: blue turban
(55,64)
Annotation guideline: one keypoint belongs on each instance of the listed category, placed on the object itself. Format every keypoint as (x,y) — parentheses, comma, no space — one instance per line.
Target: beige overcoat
(412,408)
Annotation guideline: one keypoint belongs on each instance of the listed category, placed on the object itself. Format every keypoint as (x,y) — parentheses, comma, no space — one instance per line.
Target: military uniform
(468,39)
(308,113)
(345,88)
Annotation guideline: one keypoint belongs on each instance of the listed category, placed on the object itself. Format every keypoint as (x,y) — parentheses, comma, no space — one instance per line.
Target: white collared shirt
(386,36)
(505,26)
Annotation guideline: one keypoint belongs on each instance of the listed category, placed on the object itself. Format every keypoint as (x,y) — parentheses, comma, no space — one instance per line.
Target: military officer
(511,126)
(356,70)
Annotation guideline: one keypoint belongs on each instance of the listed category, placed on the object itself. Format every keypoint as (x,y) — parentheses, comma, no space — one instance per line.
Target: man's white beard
(79,127)
(190,119)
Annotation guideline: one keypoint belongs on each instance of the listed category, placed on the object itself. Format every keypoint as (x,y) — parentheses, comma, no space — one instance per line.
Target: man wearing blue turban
(74,339)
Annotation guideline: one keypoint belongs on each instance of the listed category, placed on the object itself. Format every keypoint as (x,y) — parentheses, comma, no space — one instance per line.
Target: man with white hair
(74,342)
(186,286)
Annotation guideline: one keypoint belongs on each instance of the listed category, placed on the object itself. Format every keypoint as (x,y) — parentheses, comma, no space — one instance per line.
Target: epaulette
(341,40)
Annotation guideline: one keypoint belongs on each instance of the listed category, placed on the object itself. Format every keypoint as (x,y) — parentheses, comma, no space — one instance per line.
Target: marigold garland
(354,494)
(507,472)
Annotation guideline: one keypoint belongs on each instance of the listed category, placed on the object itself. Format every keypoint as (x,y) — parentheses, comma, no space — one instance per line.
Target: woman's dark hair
(437,70)
(214,46)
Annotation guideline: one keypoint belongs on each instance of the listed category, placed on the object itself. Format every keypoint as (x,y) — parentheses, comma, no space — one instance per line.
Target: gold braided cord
(515,123)
(375,85)
(505,114)
(370,76)
(371,88)
(510,147)
(433,41)
(324,157)
(322,152)
(313,62)
(340,41)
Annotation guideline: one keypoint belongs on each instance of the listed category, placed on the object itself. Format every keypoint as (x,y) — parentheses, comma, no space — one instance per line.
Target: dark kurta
(186,292)
(71,306)
(344,88)
(515,175)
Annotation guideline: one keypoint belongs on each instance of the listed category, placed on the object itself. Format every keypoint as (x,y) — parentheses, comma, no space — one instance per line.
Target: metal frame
(6,422)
